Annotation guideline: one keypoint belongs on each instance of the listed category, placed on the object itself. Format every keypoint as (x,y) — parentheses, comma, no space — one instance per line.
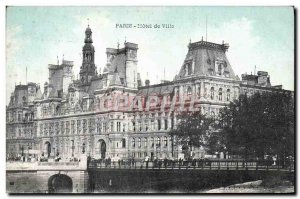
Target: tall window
(111,126)
(158,142)
(189,69)
(84,126)
(67,127)
(73,126)
(133,142)
(228,95)
(189,92)
(123,143)
(165,141)
(152,142)
(212,93)
(104,126)
(220,69)
(140,126)
(124,127)
(133,125)
(99,127)
(118,126)
(166,124)
(220,94)
(158,124)
(145,142)
(139,143)
(205,92)
(152,125)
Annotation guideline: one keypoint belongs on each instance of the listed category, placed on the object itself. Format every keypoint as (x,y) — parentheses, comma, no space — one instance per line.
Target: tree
(192,130)
(260,125)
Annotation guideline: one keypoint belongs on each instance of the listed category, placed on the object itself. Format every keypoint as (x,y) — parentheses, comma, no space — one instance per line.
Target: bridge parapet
(55,166)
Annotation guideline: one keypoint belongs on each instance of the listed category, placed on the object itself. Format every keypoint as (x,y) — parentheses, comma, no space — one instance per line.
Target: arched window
(220,94)
(212,93)
(228,95)
(123,143)
(133,142)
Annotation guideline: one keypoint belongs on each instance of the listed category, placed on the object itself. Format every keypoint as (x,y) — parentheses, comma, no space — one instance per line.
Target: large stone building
(113,113)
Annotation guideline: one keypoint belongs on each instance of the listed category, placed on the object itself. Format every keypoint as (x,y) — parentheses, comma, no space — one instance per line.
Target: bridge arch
(60,183)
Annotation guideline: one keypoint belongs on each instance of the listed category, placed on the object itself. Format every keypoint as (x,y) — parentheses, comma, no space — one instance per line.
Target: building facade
(114,113)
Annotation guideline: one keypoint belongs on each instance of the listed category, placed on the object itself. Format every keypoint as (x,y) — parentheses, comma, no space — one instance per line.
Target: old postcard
(152,100)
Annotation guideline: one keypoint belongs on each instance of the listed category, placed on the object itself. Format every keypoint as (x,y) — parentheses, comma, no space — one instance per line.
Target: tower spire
(87,71)
(88,19)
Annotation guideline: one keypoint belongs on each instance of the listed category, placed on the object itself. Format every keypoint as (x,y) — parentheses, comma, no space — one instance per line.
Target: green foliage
(259,125)
(192,130)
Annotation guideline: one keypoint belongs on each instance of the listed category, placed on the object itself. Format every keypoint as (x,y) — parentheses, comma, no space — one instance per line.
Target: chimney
(147,82)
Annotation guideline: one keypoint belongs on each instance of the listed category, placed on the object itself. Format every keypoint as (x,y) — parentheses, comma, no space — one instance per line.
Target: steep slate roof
(118,63)
(96,84)
(38,95)
(158,89)
(115,79)
(204,54)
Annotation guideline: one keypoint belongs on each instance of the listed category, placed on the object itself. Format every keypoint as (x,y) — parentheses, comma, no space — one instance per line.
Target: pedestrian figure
(180,162)
(165,162)
(147,160)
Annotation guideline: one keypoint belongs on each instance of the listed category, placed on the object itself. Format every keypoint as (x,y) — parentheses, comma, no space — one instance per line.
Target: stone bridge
(46,177)
(99,177)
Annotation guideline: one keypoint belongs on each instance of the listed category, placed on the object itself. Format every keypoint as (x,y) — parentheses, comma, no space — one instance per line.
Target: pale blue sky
(261,36)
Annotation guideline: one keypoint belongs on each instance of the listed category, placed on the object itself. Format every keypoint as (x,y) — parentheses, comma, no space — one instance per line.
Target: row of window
(19,117)
(87,126)
(139,142)
(212,93)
